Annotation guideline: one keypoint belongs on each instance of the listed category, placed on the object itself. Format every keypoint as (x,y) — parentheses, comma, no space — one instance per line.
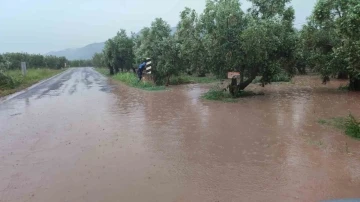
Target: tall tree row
(331,40)
(118,53)
(12,61)
(260,41)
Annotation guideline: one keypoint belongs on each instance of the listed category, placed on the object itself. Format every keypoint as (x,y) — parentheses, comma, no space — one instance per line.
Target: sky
(41,26)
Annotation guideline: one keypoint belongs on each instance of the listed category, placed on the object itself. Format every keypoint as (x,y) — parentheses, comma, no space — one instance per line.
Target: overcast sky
(40,26)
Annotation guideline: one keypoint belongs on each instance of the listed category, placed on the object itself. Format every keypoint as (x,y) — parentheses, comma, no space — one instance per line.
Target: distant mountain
(86,52)
(83,53)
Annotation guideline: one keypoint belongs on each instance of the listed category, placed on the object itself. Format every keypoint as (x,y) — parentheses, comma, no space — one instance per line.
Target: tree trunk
(111,70)
(243,85)
(343,75)
(301,70)
(116,69)
(354,85)
(168,81)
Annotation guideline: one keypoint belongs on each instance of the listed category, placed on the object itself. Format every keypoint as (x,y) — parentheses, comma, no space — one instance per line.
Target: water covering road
(79,137)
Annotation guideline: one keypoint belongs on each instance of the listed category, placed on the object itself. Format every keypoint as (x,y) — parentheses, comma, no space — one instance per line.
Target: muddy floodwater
(79,137)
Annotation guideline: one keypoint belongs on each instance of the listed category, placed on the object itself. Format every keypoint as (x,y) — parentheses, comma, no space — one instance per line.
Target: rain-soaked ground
(77,137)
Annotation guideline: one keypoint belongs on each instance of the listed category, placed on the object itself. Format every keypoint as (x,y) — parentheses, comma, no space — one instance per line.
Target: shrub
(220,94)
(282,76)
(352,127)
(132,80)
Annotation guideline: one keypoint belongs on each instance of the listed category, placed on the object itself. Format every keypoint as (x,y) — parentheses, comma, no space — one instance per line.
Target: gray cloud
(40,26)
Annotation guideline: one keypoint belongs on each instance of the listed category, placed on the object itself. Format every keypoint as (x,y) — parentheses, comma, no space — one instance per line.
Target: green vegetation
(317,143)
(118,53)
(12,81)
(215,41)
(330,43)
(12,61)
(352,127)
(131,79)
(219,94)
(260,42)
(188,79)
(281,77)
(337,122)
(81,63)
(344,88)
(349,125)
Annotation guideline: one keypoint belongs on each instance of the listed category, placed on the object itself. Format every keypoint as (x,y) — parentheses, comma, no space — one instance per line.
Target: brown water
(80,141)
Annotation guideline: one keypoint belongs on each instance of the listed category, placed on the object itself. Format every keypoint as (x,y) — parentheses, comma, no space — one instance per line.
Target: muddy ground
(79,137)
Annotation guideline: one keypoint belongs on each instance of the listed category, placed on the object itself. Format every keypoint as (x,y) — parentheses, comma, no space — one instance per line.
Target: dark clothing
(140,70)
(142,66)
(139,73)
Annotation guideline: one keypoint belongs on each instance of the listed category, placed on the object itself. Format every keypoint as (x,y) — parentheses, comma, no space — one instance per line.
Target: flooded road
(78,137)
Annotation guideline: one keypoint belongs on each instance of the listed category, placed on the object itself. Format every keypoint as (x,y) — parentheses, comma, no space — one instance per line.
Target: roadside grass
(188,79)
(349,125)
(218,94)
(15,81)
(131,79)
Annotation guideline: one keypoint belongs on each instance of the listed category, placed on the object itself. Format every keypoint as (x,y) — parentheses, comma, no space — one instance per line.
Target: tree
(168,63)
(118,53)
(157,43)
(192,52)
(259,43)
(266,9)
(109,58)
(124,55)
(98,60)
(80,63)
(222,22)
(332,34)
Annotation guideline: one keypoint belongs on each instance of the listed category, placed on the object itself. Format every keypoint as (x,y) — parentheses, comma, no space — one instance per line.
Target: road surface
(79,137)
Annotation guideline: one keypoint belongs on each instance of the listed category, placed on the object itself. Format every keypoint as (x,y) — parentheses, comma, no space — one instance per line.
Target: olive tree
(192,52)
(222,22)
(332,35)
(118,53)
(157,43)
(98,60)
(258,43)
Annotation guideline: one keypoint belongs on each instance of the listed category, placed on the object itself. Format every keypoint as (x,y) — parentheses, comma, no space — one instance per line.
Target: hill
(86,52)
(83,53)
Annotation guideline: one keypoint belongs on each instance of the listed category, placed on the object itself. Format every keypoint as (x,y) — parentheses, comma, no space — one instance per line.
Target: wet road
(78,137)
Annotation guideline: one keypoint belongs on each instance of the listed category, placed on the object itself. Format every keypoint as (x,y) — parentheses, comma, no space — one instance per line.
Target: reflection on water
(85,144)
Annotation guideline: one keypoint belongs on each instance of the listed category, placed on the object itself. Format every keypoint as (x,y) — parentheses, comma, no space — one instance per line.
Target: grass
(317,143)
(281,77)
(218,94)
(17,82)
(188,79)
(344,88)
(349,125)
(131,79)
(352,127)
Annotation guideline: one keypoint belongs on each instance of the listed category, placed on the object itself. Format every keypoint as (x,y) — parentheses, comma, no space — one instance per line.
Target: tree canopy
(260,41)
